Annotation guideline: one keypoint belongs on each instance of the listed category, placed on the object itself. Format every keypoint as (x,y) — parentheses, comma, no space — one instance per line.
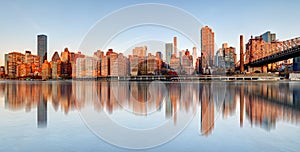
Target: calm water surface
(207,116)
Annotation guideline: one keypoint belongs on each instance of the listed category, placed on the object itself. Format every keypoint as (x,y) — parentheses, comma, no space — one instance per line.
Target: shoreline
(172,79)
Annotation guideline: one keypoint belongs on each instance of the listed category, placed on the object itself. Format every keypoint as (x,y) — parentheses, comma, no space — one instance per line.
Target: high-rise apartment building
(56,69)
(120,65)
(187,63)
(56,65)
(46,70)
(107,61)
(14,59)
(80,66)
(86,67)
(194,55)
(198,67)
(229,57)
(134,62)
(114,66)
(159,62)
(90,67)
(169,52)
(151,64)
(175,46)
(175,63)
(207,46)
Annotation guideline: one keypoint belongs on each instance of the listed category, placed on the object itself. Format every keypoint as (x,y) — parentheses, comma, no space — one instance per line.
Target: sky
(66,22)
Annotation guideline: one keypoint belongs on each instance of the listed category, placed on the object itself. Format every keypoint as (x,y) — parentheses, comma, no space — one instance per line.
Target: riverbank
(173,78)
(235,77)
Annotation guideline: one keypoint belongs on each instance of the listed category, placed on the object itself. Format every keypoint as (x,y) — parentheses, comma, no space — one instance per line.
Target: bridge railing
(291,43)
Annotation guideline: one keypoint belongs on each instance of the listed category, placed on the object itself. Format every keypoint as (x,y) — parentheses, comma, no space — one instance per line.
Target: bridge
(271,53)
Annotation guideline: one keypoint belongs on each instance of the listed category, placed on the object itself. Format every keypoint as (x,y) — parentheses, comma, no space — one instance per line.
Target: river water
(149,116)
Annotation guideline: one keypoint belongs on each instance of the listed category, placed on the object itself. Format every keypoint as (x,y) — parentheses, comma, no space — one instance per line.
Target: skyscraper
(207,45)
(169,51)
(159,61)
(175,45)
(42,47)
(194,55)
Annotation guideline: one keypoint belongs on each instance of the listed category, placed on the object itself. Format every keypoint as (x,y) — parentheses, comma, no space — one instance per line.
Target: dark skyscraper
(42,47)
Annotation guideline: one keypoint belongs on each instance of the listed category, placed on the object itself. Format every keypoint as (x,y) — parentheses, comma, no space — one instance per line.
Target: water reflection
(262,104)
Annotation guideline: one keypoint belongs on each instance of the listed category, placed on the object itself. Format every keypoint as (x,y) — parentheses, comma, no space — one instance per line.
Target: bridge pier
(272,66)
(264,69)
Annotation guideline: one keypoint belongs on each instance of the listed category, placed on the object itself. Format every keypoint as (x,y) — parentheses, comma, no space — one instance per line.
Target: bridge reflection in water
(262,104)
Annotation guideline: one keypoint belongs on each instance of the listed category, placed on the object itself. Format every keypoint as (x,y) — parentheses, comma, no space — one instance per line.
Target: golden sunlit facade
(207,46)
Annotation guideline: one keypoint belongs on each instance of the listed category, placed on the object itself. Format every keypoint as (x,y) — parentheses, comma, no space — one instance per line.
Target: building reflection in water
(42,107)
(268,103)
(262,104)
(42,112)
(207,110)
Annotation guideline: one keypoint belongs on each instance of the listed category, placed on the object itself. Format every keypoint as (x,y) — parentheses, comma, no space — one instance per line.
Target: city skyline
(60,29)
(141,62)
